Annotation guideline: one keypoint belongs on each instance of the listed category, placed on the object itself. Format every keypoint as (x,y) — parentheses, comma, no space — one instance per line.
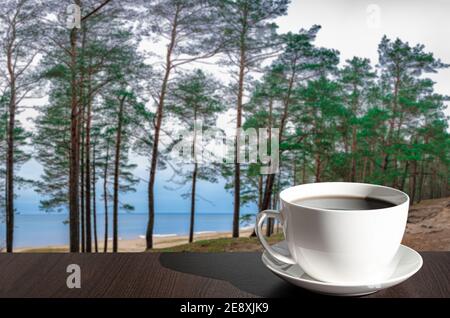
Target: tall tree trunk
(433,180)
(355,107)
(82,132)
(271,177)
(116,175)
(74,161)
(267,194)
(413,182)
(294,173)
(156,135)
(364,170)
(318,167)
(345,139)
(354,152)
(88,167)
(421,179)
(394,168)
(194,180)
(270,221)
(396,161)
(237,165)
(446,185)
(391,126)
(10,148)
(271,224)
(260,191)
(193,193)
(371,170)
(105,197)
(82,191)
(240,97)
(94,196)
(405,175)
(304,169)
(283,120)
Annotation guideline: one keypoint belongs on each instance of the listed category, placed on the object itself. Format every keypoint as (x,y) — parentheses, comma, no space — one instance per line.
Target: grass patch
(46,250)
(242,244)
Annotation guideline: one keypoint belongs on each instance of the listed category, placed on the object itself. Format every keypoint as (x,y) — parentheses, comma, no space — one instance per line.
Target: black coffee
(343,203)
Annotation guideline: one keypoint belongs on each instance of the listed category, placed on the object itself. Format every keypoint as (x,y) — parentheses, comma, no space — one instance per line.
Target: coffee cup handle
(260,218)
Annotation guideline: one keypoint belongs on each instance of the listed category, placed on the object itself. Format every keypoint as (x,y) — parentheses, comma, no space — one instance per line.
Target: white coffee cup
(340,246)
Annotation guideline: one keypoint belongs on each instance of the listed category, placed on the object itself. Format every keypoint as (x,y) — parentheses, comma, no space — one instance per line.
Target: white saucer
(405,264)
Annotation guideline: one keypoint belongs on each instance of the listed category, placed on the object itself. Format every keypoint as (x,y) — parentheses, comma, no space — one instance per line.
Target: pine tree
(19,47)
(194,98)
(104,51)
(357,78)
(299,62)
(250,39)
(401,69)
(189,26)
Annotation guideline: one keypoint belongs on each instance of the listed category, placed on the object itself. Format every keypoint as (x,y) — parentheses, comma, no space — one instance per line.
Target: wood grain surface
(181,275)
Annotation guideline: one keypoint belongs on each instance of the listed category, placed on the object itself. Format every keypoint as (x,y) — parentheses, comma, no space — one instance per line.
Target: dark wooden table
(191,275)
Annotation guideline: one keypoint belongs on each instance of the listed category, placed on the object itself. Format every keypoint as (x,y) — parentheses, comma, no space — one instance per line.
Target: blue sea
(34,228)
(43,229)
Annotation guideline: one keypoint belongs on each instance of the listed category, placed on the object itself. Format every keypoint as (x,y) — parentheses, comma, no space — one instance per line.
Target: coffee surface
(343,203)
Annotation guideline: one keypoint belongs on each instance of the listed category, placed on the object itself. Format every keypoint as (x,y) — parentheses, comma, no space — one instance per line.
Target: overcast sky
(351,27)
(354,27)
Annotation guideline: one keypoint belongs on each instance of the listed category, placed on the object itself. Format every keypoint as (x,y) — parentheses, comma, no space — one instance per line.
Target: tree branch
(95,10)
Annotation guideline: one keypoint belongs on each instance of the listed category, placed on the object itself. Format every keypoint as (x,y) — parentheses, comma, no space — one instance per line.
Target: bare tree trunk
(105,197)
(10,148)
(116,176)
(304,169)
(354,144)
(294,173)
(159,116)
(194,188)
(88,168)
(355,106)
(394,167)
(405,175)
(446,185)
(413,182)
(74,174)
(371,165)
(364,169)
(194,181)
(240,96)
(260,191)
(94,196)
(318,167)
(421,179)
(271,177)
(432,183)
(391,127)
(82,132)
(269,224)
(237,166)
(82,190)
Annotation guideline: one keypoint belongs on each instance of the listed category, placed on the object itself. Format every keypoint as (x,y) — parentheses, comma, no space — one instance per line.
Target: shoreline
(138,245)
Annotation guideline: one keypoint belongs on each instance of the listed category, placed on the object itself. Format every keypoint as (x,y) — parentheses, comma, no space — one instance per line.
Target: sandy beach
(138,245)
(428,229)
